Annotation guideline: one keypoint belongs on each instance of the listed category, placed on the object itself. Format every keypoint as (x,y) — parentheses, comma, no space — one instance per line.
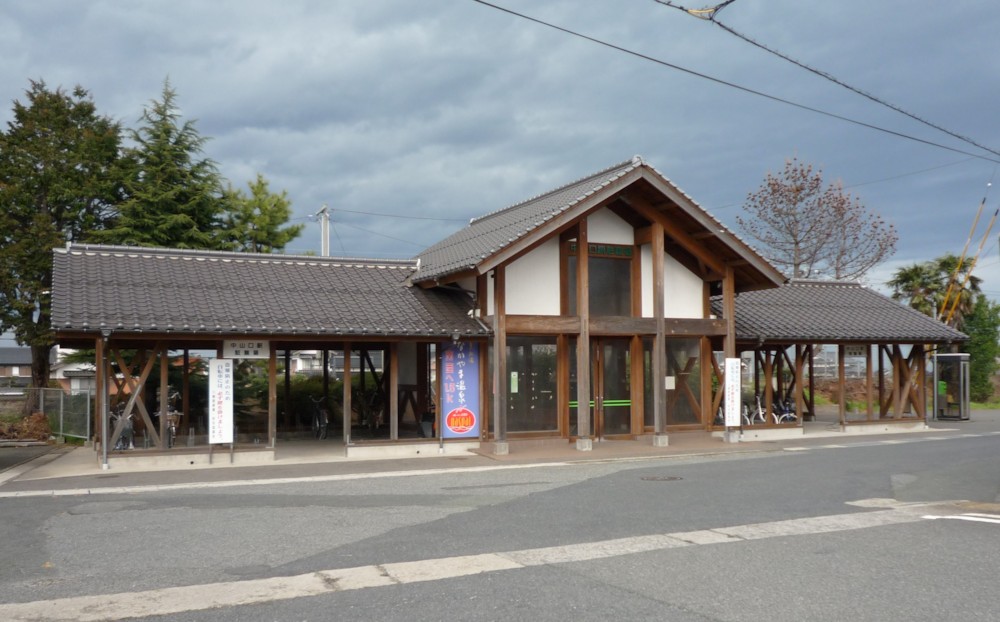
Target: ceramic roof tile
(832,311)
(143,289)
(488,234)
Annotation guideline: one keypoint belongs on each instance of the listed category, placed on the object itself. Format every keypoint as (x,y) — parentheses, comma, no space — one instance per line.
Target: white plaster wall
(682,289)
(533,282)
(603,226)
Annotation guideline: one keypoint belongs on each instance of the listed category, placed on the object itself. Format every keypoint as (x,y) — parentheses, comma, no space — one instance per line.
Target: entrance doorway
(610,388)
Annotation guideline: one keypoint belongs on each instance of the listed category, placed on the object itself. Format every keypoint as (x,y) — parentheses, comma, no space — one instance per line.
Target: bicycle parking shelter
(598,311)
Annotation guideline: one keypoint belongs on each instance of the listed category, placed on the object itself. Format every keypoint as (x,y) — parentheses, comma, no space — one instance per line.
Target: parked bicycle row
(782,411)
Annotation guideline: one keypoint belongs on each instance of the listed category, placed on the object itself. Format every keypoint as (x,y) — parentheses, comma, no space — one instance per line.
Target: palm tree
(925,287)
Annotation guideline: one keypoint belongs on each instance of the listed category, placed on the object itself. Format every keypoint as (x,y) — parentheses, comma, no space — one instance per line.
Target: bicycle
(755,416)
(126,440)
(321,418)
(783,412)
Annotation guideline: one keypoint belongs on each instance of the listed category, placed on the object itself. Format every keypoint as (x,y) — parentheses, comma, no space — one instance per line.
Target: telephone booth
(951,386)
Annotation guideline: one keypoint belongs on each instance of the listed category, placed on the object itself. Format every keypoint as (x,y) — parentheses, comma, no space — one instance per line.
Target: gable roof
(832,312)
(143,290)
(476,246)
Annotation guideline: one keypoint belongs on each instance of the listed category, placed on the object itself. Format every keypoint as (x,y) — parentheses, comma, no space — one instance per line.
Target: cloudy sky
(408,118)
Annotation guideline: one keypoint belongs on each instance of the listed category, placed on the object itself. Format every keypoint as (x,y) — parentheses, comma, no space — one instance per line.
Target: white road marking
(129,490)
(181,599)
(976,518)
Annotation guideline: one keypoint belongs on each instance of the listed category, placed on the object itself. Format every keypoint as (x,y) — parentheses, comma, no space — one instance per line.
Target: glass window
(684,401)
(610,281)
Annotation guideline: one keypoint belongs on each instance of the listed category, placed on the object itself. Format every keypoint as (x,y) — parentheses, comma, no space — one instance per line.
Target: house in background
(15,367)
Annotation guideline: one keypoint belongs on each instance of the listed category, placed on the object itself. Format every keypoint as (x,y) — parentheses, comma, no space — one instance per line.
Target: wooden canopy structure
(783,327)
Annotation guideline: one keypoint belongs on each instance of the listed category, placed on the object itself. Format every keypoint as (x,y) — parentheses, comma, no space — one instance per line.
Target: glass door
(612,387)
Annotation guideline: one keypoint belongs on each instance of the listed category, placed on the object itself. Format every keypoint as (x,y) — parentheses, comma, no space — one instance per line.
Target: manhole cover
(660,478)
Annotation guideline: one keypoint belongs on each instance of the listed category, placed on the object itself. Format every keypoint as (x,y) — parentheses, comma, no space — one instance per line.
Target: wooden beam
(696,248)
(542,324)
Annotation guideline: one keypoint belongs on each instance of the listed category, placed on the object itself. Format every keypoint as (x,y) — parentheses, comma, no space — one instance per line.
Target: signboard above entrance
(246,349)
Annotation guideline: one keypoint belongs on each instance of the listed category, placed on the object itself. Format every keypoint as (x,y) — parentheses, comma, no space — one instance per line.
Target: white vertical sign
(220,401)
(733,377)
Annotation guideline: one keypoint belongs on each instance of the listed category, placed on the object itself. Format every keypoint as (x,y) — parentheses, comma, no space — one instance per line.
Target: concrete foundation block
(501,448)
(584,444)
(660,440)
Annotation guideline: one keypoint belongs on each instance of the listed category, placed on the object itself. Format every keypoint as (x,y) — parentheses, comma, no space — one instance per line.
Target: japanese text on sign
(220,401)
(460,390)
(246,349)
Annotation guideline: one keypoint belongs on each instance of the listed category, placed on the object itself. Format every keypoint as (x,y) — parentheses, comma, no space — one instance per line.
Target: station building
(601,310)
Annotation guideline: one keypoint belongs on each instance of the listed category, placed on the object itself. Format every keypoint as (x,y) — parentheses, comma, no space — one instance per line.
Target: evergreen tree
(60,174)
(983,328)
(175,196)
(256,222)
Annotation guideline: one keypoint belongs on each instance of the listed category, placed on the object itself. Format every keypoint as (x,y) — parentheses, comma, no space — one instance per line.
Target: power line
(383,235)
(729,84)
(351,211)
(710,14)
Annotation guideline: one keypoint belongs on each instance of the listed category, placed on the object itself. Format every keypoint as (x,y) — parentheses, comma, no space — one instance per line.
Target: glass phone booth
(951,386)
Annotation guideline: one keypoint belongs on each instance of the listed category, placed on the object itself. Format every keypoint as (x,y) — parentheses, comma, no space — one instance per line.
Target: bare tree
(808,230)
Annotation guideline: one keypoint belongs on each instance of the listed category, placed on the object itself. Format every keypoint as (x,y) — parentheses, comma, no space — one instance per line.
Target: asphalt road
(900,528)
(11,457)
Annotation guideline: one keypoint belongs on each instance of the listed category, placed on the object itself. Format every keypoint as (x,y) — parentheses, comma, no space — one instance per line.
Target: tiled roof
(490,233)
(15,356)
(495,232)
(832,311)
(135,289)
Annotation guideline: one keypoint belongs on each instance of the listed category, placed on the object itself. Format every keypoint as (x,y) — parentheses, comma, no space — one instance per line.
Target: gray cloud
(450,109)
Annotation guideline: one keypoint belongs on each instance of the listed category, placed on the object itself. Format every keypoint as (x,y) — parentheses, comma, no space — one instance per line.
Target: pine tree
(255,222)
(175,196)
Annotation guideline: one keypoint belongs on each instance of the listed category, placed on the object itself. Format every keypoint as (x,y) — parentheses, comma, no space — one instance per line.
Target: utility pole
(324,230)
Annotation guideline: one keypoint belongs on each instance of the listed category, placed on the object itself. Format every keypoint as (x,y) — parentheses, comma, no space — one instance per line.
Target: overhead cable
(731,84)
(710,14)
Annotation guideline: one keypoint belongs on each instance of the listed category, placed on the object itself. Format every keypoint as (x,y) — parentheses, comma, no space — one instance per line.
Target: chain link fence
(70,415)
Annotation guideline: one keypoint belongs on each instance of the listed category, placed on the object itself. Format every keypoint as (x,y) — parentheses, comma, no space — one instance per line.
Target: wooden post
(272,398)
(347,395)
(799,383)
(499,360)
(393,391)
(164,396)
(869,385)
(583,342)
(288,390)
(659,339)
(186,390)
(841,383)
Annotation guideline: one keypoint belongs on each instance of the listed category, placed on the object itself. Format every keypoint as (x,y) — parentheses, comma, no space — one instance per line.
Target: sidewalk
(66,466)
